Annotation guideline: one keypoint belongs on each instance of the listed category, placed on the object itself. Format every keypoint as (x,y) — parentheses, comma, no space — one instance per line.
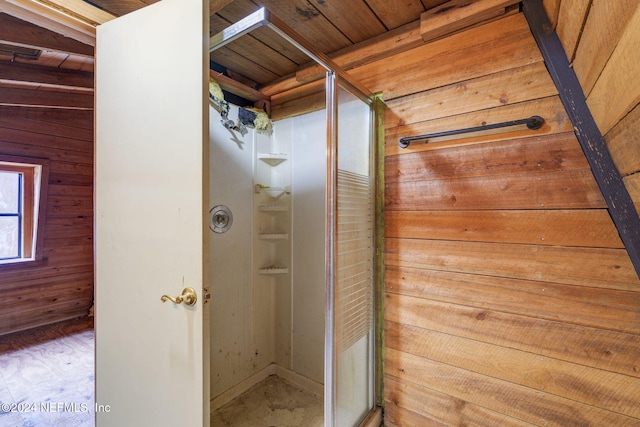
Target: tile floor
(272,402)
(46,376)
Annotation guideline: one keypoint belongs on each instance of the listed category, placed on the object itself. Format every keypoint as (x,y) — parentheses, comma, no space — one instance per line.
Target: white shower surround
(257,320)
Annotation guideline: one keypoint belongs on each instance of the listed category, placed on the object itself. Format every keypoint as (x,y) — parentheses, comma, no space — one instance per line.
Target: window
(21,202)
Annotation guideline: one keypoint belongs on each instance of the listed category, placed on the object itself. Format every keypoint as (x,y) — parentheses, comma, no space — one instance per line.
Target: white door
(152,361)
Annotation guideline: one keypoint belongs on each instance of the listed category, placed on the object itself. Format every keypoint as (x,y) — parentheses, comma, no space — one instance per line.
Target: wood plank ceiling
(59,73)
(42,68)
(64,50)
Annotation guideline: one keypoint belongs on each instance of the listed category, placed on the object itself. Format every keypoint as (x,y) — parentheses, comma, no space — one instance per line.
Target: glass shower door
(353,291)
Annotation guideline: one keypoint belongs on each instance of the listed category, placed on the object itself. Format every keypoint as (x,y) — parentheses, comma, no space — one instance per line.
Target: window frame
(35,173)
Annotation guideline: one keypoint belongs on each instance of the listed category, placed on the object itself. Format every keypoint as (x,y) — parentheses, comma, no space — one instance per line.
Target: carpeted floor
(271,403)
(47,376)
(47,380)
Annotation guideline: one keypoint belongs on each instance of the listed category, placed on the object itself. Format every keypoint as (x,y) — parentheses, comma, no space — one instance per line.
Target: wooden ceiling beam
(45,76)
(120,7)
(51,19)
(45,99)
(22,118)
(18,32)
(81,10)
(456,15)
(385,45)
(237,88)
(619,202)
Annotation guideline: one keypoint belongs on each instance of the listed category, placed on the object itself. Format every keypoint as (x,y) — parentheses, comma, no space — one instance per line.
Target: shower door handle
(188,297)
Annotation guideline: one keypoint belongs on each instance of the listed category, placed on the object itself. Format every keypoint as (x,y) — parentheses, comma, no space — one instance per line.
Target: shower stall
(293,246)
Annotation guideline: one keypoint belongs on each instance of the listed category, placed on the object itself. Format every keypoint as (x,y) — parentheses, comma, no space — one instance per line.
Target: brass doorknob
(188,297)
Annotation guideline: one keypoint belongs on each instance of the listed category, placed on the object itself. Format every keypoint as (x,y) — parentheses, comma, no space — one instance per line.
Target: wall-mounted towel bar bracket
(533,123)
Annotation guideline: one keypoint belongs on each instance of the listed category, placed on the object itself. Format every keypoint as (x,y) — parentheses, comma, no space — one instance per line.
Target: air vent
(15,52)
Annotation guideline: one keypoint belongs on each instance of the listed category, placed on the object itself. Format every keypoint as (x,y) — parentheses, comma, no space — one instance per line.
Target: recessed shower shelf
(274,270)
(273,192)
(273,159)
(273,236)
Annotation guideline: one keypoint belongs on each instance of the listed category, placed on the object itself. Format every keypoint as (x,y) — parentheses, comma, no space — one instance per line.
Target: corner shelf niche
(272,186)
(273,159)
(274,192)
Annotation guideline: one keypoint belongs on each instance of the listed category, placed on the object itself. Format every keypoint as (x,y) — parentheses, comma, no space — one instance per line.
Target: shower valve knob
(220,219)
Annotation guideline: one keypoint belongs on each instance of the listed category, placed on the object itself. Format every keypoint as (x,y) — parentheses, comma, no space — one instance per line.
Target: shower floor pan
(271,402)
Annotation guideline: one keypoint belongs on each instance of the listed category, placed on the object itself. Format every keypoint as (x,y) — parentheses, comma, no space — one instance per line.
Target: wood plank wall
(601,38)
(510,299)
(61,287)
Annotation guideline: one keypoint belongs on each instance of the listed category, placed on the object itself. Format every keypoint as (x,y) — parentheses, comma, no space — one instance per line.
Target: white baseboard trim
(235,391)
(273,369)
(301,381)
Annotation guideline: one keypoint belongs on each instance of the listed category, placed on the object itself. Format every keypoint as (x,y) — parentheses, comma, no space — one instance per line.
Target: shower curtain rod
(533,123)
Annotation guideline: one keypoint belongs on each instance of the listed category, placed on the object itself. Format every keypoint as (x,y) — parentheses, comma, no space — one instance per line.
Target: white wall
(232,344)
(255,319)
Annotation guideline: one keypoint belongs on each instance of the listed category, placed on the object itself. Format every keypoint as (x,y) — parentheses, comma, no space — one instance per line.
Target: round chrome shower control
(220,219)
